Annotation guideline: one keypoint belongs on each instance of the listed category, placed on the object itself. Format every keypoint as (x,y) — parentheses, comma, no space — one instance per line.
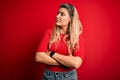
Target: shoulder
(81,38)
(48,31)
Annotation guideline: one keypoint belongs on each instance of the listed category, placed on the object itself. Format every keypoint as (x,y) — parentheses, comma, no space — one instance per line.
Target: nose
(58,15)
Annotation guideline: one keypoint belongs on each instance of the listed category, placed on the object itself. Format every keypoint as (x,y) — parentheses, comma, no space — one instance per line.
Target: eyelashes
(61,13)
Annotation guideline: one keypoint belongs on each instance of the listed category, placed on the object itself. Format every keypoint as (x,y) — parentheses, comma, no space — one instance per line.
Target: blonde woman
(61,49)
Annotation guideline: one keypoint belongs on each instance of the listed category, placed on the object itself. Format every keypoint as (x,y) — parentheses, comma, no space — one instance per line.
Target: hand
(48,53)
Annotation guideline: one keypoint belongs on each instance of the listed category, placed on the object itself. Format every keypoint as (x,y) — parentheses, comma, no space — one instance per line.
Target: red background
(23,23)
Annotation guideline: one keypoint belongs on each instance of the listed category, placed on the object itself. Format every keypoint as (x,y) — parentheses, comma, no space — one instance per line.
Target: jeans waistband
(66,74)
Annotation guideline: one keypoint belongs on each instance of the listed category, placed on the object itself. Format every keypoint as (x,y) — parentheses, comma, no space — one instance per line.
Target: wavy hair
(74,30)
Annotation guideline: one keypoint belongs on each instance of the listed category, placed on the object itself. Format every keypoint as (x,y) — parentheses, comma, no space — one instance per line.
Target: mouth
(57,20)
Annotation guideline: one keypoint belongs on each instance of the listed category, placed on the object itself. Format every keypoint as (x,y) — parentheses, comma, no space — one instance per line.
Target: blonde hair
(74,30)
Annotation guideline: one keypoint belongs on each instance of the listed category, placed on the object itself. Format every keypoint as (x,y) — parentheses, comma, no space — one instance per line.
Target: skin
(62,20)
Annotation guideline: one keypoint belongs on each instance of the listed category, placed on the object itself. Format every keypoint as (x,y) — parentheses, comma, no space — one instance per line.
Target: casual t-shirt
(61,49)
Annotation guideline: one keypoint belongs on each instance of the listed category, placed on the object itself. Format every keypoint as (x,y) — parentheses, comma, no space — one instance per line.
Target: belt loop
(56,74)
(65,75)
(48,71)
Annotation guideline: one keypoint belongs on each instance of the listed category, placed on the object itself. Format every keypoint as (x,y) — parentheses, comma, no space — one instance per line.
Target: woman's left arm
(74,60)
(68,61)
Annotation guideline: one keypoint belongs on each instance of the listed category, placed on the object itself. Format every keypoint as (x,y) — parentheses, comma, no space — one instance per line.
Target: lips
(57,19)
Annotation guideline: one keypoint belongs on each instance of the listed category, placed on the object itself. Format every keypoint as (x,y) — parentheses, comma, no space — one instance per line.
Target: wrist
(52,53)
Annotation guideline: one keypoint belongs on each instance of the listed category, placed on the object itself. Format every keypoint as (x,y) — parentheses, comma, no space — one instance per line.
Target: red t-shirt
(61,49)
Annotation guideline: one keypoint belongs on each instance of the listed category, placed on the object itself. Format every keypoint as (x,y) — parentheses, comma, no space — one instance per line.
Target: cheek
(65,20)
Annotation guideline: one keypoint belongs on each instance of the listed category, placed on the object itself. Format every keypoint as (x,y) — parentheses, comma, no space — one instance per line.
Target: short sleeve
(80,51)
(43,46)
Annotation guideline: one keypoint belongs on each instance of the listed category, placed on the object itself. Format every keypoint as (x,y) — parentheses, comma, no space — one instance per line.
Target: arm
(74,60)
(69,61)
(44,58)
(41,54)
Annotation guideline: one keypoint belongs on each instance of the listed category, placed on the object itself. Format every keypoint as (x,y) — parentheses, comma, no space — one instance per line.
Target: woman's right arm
(42,54)
(44,58)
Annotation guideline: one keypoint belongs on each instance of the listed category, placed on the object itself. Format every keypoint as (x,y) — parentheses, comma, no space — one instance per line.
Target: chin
(57,24)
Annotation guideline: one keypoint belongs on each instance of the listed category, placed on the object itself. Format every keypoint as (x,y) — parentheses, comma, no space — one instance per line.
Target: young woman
(61,49)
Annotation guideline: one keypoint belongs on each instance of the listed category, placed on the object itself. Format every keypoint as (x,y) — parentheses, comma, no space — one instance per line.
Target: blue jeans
(48,75)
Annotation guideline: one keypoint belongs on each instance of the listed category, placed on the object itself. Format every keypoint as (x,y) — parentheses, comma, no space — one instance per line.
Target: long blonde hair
(74,30)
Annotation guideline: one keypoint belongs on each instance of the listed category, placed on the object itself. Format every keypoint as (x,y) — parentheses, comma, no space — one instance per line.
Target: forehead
(64,10)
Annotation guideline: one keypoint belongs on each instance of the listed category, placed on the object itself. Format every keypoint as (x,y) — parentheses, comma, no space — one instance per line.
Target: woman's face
(62,18)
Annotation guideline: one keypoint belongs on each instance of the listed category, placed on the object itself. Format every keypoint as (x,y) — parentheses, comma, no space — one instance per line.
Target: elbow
(37,57)
(78,63)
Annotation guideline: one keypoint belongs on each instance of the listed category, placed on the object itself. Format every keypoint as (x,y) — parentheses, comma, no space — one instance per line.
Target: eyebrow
(61,12)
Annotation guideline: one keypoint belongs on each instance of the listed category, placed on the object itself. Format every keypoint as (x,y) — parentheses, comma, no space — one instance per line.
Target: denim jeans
(48,75)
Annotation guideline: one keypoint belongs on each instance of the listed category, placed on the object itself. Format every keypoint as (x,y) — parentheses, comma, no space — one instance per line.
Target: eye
(62,14)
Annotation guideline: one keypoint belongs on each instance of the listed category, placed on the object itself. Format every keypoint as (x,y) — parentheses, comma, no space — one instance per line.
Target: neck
(63,29)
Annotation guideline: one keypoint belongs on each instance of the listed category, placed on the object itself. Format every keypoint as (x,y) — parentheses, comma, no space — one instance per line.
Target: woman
(61,49)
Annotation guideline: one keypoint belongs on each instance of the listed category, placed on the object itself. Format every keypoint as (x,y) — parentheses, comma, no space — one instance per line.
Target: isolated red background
(23,23)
